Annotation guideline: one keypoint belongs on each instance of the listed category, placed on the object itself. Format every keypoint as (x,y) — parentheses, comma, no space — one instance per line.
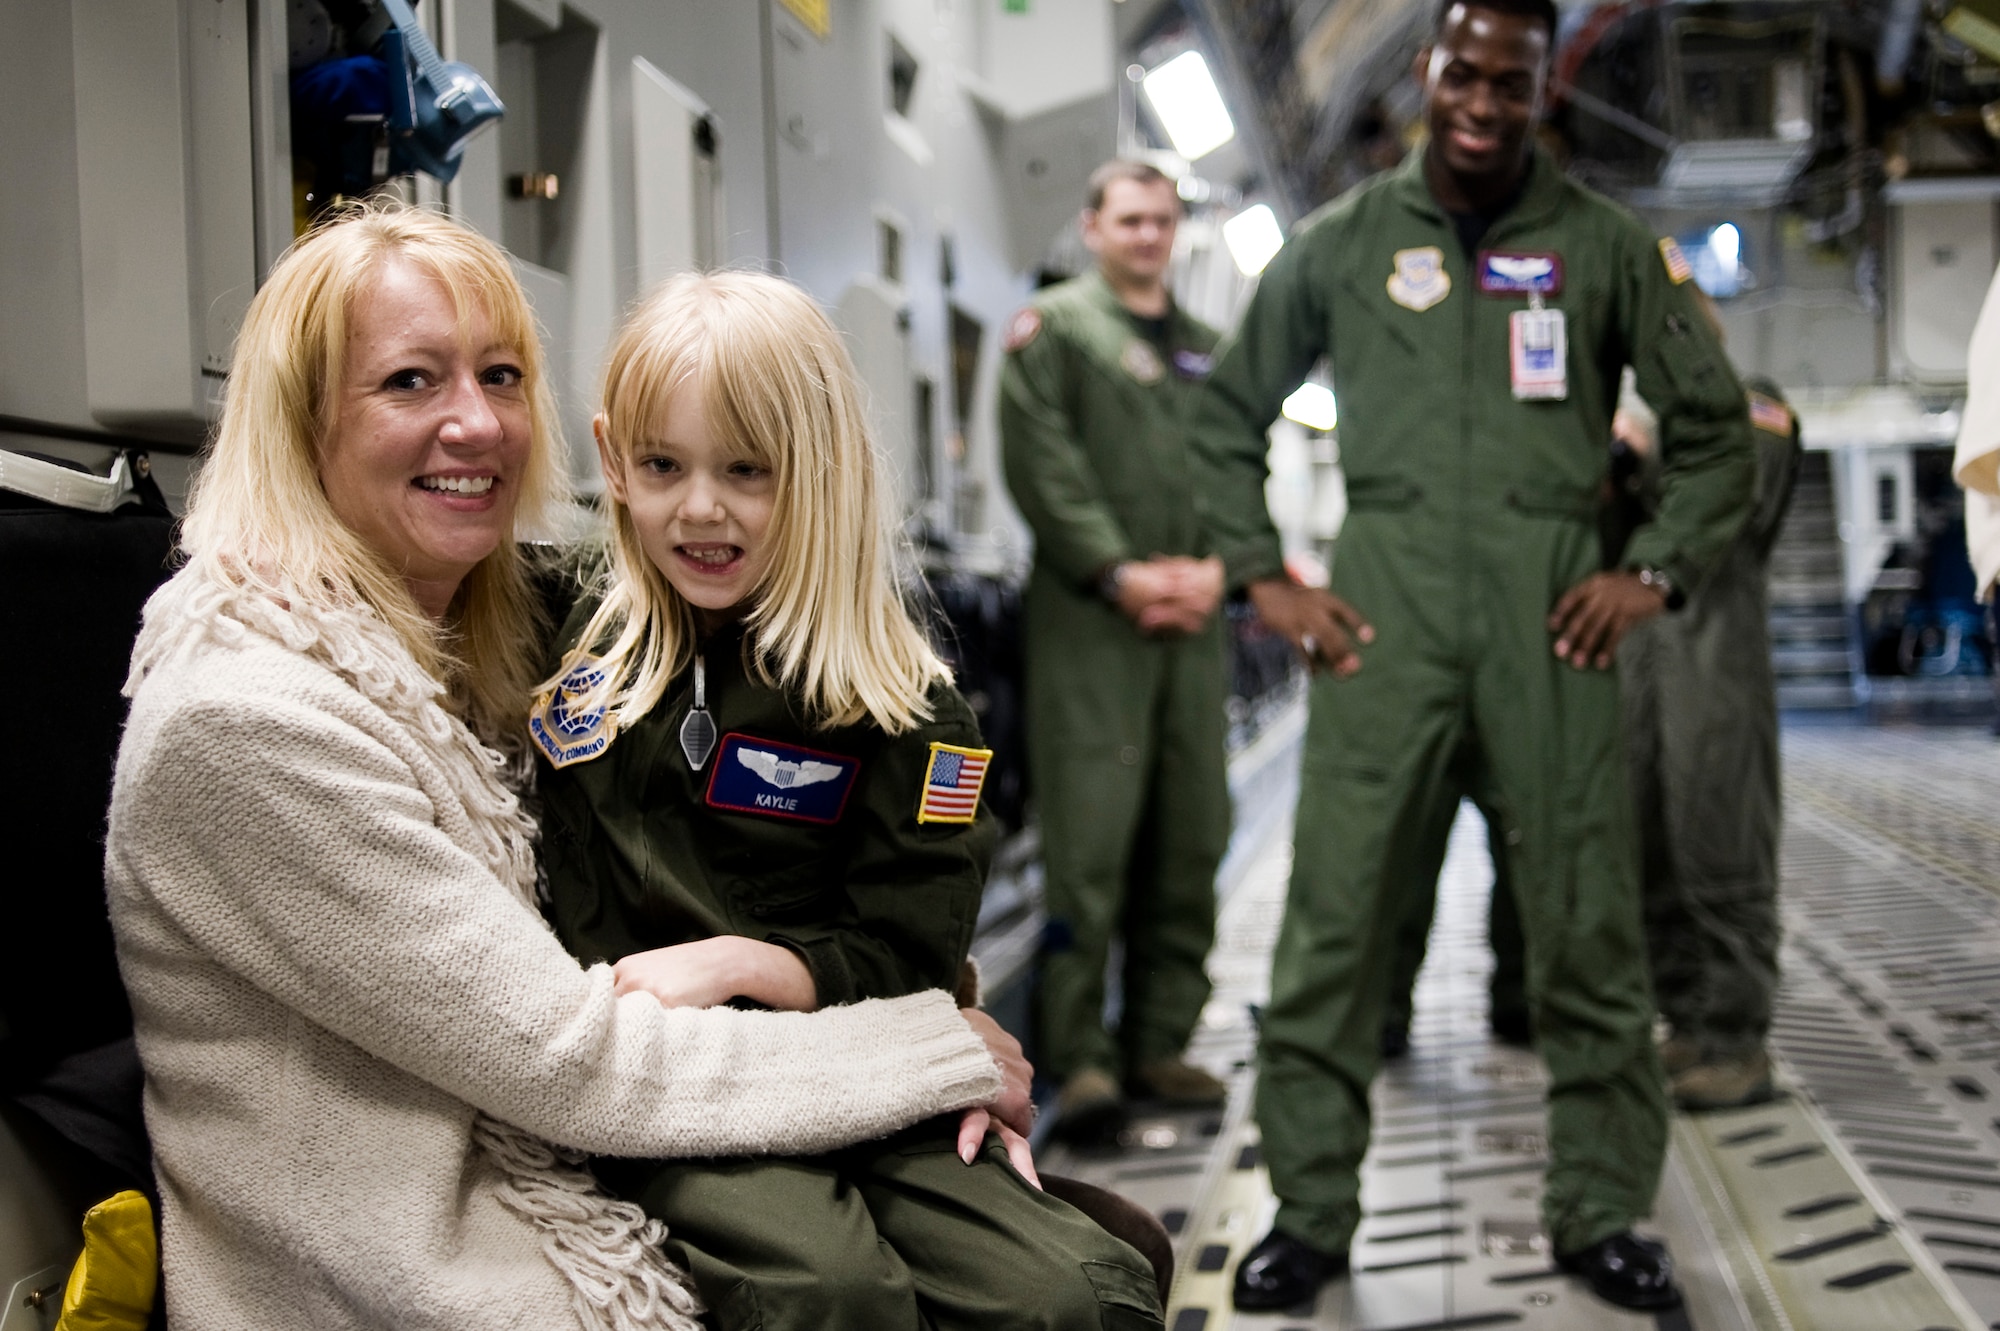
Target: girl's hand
(711,971)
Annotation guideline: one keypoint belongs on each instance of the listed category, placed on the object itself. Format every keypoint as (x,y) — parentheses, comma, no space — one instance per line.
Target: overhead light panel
(1184,96)
(1253,237)
(1312,406)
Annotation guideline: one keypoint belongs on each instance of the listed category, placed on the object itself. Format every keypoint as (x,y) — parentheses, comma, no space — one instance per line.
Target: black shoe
(1626,1270)
(1394,1040)
(1510,1026)
(1283,1272)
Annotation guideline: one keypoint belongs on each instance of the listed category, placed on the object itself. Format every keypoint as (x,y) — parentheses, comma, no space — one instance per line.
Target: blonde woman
(371,1068)
(760,784)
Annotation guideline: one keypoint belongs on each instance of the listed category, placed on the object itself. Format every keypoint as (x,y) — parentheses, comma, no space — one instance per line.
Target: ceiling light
(1312,406)
(1185,98)
(1727,242)
(1253,236)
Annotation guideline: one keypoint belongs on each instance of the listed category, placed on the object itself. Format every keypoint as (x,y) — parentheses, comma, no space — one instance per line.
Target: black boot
(1626,1270)
(1283,1272)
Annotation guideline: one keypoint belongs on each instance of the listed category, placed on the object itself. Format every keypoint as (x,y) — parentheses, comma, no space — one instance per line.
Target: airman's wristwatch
(1112,581)
(1652,575)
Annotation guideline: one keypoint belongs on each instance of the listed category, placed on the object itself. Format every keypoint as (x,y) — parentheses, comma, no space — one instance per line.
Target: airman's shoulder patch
(563,729)
(1767,413)
(1679,269)
(1141,362)
(1023,328)
(1419,279)
(952,781)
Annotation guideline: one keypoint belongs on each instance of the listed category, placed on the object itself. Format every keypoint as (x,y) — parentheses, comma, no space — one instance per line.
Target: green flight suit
(1701,727)
(1470,514)
(1125,732)
(1506,986)
(642,851)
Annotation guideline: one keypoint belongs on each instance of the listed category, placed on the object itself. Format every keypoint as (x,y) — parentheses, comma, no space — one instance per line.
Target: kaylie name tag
(1502,273)
(1538,354)
(773,780)
(565,733)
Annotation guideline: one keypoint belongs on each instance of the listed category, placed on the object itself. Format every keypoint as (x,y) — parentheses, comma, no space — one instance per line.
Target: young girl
(760,785)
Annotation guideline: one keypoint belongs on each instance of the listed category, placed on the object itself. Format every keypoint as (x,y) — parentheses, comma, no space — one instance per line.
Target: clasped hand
(1170,594)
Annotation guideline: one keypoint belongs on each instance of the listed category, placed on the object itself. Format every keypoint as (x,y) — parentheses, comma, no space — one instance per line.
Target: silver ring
(1309,645)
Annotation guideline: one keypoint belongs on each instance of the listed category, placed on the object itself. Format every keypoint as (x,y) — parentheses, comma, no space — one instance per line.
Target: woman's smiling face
(701,505)
(431,434)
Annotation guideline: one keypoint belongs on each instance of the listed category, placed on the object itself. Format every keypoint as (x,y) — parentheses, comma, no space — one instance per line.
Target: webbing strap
(70,489)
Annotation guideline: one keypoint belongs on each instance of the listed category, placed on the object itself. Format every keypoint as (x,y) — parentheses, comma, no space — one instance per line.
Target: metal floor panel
(1867,1198)
(1890,1015)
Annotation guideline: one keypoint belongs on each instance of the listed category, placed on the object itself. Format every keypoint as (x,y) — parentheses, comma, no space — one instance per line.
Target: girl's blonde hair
(829,625)
(258,515)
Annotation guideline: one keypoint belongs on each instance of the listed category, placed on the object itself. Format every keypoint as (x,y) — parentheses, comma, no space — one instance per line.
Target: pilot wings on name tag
(1505,273)
(774,780)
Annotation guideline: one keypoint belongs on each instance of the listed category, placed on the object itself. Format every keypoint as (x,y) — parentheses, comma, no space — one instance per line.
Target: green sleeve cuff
(833,979)
(1651,548)
(1252,561)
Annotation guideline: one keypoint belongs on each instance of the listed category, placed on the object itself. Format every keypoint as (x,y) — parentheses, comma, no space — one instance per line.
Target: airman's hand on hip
(1323,627)
(1594,616)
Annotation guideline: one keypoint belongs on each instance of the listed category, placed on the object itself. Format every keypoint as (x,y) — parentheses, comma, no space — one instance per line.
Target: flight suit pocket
(781,896)
(1554,502)
(1693,369)
(1382,494)
(1126,1300)
(737,1308)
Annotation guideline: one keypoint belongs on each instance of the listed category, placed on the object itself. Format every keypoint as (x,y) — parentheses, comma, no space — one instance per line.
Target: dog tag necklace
(698,727)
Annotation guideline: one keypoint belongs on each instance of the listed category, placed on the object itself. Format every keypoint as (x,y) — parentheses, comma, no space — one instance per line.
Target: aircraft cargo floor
(1865,1198)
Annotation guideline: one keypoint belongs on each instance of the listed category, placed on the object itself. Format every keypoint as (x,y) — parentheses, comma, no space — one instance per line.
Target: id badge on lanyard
(1538,353)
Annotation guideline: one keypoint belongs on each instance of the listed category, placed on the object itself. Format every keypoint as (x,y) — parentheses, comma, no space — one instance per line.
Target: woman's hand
(1012,1112)
(972,1130)
(711,971)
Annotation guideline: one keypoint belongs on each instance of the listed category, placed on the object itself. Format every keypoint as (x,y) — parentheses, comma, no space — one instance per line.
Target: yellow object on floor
(117,1276)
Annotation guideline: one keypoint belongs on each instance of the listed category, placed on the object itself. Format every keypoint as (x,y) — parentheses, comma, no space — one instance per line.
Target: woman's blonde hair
(258,515)
(829,625)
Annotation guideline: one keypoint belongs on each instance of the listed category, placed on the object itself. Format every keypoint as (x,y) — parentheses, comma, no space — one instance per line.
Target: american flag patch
(952,783)
(1767,413)
(1678,267)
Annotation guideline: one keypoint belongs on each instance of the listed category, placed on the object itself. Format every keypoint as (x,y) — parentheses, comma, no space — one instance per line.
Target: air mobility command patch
(1023,327)
(1767,413)
(1678,268)
(773,780)
(1141,361)
(1505,274)
(1190,364)
(1420,280)
(952,782)
(563,731)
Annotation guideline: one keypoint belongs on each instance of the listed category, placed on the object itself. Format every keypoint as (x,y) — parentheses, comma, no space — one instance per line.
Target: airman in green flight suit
(1701,734)
(1126,674)
(1476,309)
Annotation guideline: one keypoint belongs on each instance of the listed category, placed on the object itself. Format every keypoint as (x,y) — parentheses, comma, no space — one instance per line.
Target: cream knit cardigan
(360,1038)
